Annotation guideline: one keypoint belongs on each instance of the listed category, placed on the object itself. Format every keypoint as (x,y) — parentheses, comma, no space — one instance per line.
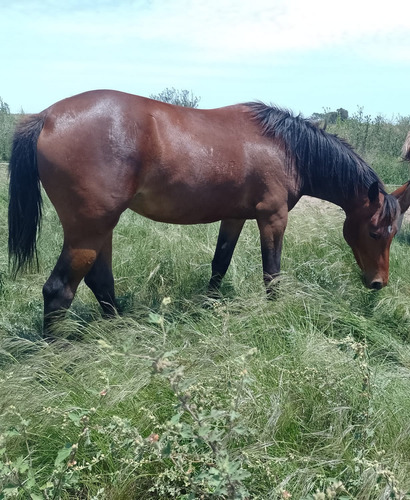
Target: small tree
(342,113)
(4,107)
(331,116)
(178,97)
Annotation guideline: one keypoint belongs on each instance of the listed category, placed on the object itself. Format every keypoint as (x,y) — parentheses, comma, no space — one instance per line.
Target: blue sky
(299,54)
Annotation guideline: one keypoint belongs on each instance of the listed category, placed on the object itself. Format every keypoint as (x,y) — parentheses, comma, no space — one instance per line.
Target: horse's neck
(337,196)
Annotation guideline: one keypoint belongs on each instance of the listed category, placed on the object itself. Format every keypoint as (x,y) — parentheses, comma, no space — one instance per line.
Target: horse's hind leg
(101,281)
(229,232)
(76,260)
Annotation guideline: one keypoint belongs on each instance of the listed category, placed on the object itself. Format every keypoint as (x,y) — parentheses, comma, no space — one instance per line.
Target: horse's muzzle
(376,285)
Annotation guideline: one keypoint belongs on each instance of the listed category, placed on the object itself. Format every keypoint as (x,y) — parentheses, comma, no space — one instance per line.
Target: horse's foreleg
(229,232)
(101,281)
(271,230)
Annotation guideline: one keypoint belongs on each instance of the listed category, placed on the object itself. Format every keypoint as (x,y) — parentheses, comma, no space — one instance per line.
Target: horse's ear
(403,196)
(374,192)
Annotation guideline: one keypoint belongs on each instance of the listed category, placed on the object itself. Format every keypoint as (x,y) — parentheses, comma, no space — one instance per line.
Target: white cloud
(235,29)
(226,29)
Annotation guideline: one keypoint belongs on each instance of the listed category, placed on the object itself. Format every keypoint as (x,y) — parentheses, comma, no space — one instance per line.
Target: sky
(304,55)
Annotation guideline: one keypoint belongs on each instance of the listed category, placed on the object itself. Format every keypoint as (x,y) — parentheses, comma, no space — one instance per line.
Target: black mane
(319,157)
(323,161)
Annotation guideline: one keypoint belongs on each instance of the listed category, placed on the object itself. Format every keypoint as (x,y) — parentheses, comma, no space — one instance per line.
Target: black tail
(25,202)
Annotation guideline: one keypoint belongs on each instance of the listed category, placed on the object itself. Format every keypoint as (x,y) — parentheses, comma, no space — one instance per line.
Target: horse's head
(370,229)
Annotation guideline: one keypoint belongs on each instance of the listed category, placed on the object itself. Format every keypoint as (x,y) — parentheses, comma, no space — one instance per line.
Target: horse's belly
(187,208)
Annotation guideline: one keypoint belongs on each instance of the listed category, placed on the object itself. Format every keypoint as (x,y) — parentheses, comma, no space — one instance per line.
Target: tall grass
(183,397)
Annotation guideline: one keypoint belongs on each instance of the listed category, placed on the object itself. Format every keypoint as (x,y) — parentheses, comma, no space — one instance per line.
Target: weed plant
(304,397)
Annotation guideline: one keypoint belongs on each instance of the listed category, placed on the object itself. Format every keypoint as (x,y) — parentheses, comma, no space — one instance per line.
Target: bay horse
(101,152)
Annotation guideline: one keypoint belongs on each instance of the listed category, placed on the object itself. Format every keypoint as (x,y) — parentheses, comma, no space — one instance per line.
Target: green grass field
(304,397)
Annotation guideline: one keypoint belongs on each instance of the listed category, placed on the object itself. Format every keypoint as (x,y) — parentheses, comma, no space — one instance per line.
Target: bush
(7,124)
(178,97)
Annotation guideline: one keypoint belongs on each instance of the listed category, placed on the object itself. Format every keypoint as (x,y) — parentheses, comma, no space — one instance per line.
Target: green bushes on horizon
(378,140)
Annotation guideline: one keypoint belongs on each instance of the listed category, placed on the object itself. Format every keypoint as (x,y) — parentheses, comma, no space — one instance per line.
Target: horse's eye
(375,236)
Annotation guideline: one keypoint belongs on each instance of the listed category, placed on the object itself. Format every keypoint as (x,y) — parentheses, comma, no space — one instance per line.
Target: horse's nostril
(376,285)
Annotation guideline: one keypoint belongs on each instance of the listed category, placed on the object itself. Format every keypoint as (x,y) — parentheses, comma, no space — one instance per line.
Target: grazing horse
(101,152)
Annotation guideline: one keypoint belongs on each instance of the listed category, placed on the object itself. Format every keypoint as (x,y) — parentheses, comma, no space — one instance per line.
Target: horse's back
(108,151)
